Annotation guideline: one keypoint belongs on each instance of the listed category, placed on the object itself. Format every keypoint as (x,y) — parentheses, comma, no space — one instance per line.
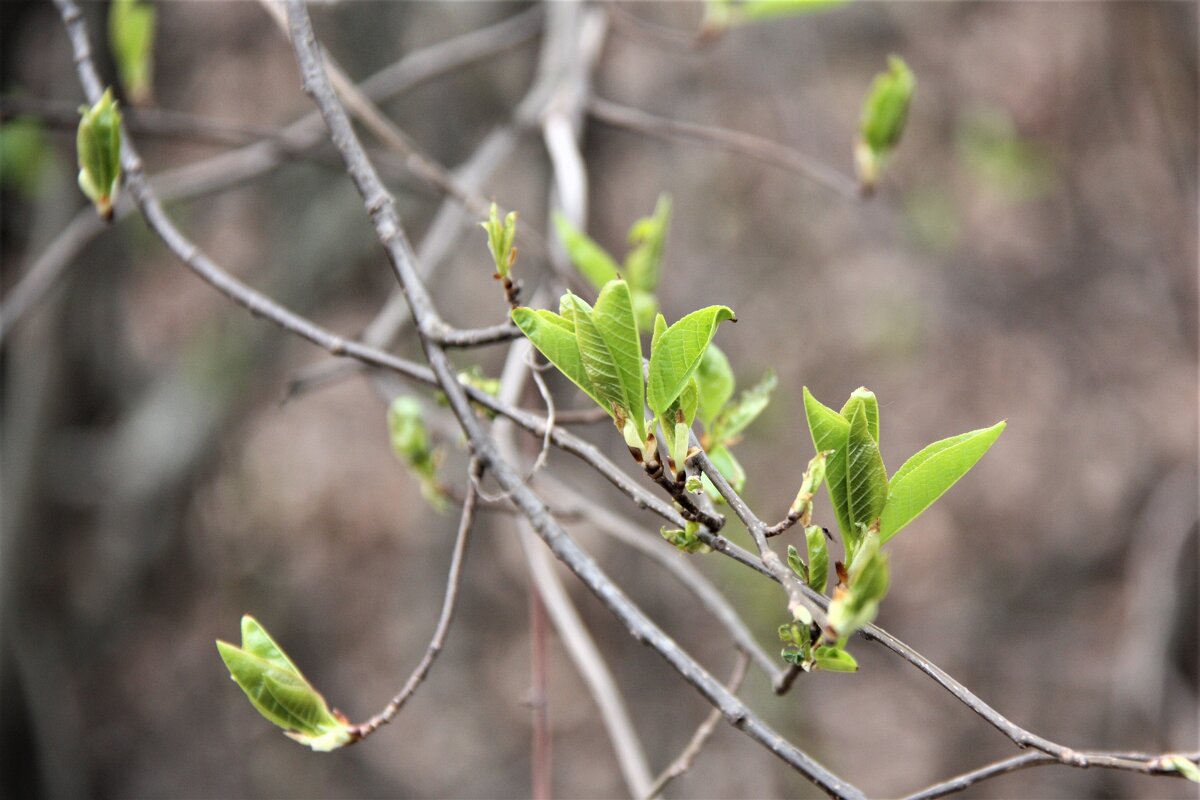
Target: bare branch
(683,762)
(449,602)
(746,144)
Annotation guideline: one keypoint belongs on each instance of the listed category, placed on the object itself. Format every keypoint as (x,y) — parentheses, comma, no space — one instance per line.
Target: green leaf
(131,39)
(554,336)
(678,352)
(682,411)
(716,381)
(818,557)
(645,306)
(24,156)
(592,260)
(834,659)
(868,580)
(927,475)
(737,416)
(727,13)
(866,477)
(648,236)
(1184,766)
(98,143)
(612,352)
(862,396)
(411,443)
(831,432)
(814,476)
(501,238)
(279,692)
(728,466)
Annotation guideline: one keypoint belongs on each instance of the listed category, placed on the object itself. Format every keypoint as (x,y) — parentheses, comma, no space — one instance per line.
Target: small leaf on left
(98,143)
(280,693)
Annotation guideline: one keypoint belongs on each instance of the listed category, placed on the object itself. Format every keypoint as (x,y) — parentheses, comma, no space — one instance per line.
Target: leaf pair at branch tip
(501,238)
(277,689)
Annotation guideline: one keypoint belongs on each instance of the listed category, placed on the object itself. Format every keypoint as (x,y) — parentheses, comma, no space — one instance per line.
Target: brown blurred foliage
(1031,255)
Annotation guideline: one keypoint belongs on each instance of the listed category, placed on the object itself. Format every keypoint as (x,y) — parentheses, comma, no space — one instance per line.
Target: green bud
(501,236)
(814,476)
(883,116)
(279,692)
(99,148)
(1184,766)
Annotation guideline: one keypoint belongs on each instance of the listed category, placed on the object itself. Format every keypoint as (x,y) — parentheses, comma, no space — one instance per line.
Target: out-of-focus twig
(449,603)
(746,144)
(683,761)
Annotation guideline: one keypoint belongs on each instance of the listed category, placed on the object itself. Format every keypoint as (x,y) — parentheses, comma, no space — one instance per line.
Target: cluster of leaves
(600,350)
(642,268)
(131,39)
(411,443)
(884,114)
(279,691)
(98,143)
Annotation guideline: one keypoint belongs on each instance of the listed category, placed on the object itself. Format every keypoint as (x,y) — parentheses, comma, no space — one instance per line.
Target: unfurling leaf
(728,466)
(715,379)
(738,415)
(501,239)
(834,659)
(554,337)
(592,260)
(1184,766)
(856,604)
(643,264)
(677,353)
(280,693)
(927,475)
(98,143)
(411,443)
(797,564)
(866,477)
(686,540)
(131,39)
(814,476)
(883,116)
(611,352)
(831,433)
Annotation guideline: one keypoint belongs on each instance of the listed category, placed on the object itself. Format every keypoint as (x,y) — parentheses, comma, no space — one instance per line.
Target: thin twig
(746,144)
(449,603)
(381,210)
(683,762)
(541,760)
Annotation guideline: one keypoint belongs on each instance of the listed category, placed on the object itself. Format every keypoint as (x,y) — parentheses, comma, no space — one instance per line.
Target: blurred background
(1030,256)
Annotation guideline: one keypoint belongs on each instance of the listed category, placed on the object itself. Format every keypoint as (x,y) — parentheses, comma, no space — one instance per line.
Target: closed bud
(98,143)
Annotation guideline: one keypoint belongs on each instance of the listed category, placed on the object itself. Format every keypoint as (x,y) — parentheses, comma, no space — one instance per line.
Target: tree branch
(449,602)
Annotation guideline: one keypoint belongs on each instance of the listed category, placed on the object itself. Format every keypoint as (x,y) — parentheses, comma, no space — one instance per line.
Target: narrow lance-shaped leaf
(554,336)
(648,237)
(678,352)
(612,352)
(715,379)
(131,39)
(866,477)
(277,689)
(927,475)
(592,260)
(738,415)
(831,432)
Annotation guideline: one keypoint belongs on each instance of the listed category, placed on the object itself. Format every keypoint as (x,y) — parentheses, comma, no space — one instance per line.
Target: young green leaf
(728,466)
(648,236)
(715,379)
(720,14)
(592,260)
(660,327)
(856,605)
(866,477)
(814,476)
(685,407)
(411,443)
(738,415)
(1184,766)
(818,557)
(280,693)
(612,352)
(678,352)
(862,396)
(131,39)
(554,336)
(98,143)
(834,659)
(927,475)
(831,432)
